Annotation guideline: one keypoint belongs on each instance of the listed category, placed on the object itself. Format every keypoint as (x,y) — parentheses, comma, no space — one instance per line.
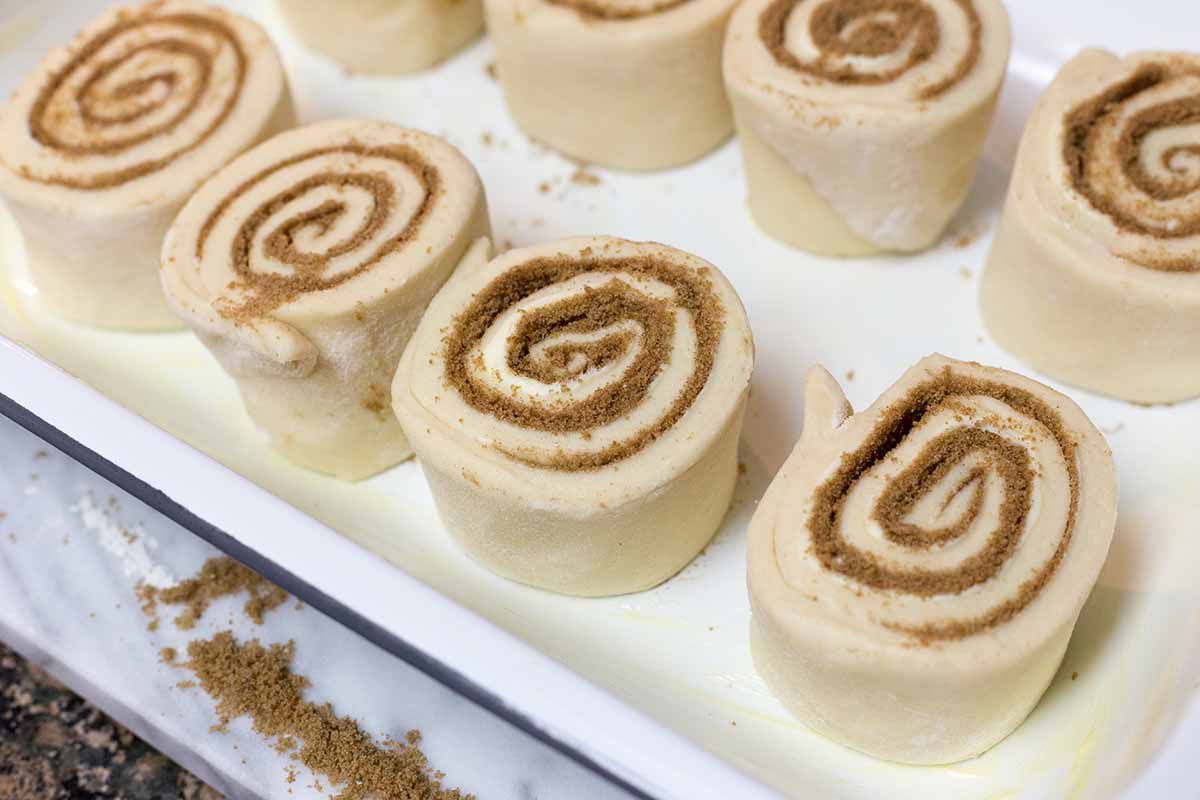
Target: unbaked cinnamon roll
(1094,274)
(633,84)
(861,121)
(305,265)
(103,143)
(385,37)
(576,408)
(916,569)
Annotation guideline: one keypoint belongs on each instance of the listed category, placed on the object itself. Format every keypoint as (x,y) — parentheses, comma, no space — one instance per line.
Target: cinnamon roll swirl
(632,84)
(385,37)
(861,121)
(1094,274)
(305,265)
(103,143)
(916,569)
(576,407)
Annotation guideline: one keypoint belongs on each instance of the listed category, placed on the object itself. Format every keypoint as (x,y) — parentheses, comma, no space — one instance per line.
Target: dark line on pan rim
(406,652)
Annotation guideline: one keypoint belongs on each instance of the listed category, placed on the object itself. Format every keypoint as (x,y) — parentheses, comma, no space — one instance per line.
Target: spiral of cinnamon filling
(1133,151)
(978,470)
(609,353)
(317,219)
(875,42)
(136,96)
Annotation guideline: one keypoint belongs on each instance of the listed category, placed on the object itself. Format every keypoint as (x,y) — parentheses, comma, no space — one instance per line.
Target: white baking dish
(655,689)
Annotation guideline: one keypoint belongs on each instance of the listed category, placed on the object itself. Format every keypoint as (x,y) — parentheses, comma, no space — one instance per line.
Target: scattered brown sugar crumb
(583,177)
(377,400)
(148,596)
(1074,676)
(489,69)
(41,454)
(849,375)
(218,577)
(249,679)
(741,468)
(168,655)
(544,187)
(487,138)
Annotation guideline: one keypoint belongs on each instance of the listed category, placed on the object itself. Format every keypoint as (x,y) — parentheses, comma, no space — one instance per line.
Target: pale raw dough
(393,209)
(632,84)
(621,525)
(94,200)
(385,37)
(916,677)
(853,167)
(1068,290)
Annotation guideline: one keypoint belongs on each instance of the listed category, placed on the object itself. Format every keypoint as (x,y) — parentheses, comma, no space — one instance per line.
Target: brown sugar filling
(936,459)
(841,28)
(266,291)
(596,309)
(136,97)
(931,467)
(595,9)
(1081,146)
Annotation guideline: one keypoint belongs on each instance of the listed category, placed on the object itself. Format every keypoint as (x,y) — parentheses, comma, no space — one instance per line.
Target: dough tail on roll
(305,265)
(916,569)
(1094,273)
(861,121)
(576,408)
(104,141)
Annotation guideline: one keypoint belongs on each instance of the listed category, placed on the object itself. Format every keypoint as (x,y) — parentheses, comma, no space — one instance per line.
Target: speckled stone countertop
(54,744)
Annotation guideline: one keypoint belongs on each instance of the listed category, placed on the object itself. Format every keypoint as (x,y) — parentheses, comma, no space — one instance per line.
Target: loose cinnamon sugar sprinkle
(218,577)
(250,679)
(582,177)
(378,400)
(148,597)
(842,29)
(939,455)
